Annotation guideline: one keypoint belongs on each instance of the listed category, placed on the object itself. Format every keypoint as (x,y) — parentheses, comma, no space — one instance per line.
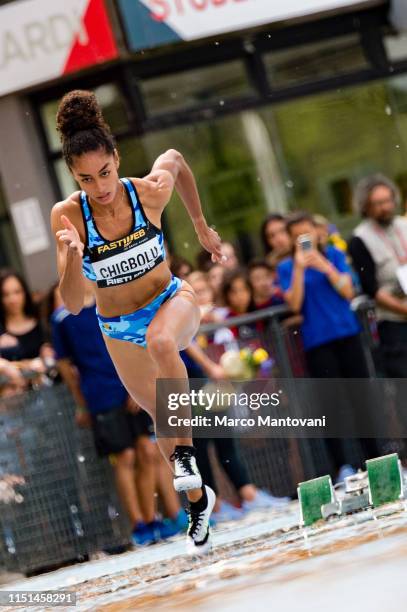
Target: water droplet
(81,458)
(186,245)
(289,184)
(388,110)
(221,102)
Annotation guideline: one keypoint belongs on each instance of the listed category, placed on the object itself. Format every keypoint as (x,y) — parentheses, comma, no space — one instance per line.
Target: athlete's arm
(171,170)
(69,259)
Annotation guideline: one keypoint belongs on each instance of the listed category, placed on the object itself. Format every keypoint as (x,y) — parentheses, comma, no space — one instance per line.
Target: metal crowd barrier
(68,505)
(279,464)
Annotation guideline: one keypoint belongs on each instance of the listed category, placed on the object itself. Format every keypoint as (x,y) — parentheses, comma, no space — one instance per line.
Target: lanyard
(391,245)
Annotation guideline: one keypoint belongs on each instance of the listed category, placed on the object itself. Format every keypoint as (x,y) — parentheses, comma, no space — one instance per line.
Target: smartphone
(305,242)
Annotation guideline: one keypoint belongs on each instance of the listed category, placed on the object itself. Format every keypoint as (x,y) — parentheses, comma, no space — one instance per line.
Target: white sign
(398,14)
(43,39)
(192,19)
(30,226)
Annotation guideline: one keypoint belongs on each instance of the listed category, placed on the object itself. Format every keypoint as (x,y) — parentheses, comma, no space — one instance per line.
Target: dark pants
(228,458)
(393,348)
(343,358)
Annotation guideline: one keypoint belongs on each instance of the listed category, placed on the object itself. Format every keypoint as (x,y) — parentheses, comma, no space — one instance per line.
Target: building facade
(275,108)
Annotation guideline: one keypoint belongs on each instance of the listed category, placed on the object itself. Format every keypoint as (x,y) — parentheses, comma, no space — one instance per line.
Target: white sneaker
(199,532)
(187,475)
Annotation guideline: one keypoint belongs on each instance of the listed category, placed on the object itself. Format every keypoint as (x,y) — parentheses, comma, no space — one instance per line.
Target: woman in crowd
(317,283)
(22,340)
(276,240)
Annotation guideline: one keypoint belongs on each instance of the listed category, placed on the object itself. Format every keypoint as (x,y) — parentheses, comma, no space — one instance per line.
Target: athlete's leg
(172,329)
(138,373)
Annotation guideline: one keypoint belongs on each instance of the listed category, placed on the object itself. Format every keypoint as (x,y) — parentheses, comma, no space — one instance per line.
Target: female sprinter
(110,232)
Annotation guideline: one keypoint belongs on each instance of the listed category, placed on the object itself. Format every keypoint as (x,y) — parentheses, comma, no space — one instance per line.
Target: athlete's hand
(70,236)
(210,240)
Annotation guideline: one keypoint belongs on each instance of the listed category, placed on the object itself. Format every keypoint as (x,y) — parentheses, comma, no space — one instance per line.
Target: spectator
(8,493)
(238,298)
(275,238)
(237,293)
(22,339)
(228,250)
(329,234)
(215,278)
(12,379)
(322,226)
(262,278)
(379,249)
(203,260)
(180,267)
(199,281)
(120,428)
(317,283)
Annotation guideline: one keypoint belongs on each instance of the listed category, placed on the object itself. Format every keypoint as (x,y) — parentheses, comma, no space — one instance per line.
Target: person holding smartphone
(317,283)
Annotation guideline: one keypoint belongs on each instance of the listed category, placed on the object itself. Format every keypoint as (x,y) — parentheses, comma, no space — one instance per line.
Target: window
(192,88)
(315,61)
(396,47)
(8,242)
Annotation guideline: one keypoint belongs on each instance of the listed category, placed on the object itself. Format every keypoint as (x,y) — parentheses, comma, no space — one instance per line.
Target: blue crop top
(116,262)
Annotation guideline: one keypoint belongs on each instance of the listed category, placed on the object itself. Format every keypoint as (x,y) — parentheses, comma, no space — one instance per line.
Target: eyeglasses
(383,201)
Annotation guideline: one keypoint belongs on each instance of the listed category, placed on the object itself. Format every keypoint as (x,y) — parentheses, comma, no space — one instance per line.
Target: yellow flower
(338,242)
(244,354)
(260,355)
(202,341)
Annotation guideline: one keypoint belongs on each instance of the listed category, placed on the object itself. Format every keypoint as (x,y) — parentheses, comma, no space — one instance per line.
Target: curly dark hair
(81,125)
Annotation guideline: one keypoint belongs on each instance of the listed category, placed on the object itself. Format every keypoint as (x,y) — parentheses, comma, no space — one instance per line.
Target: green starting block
(382,483)
(312,495)
(385,480)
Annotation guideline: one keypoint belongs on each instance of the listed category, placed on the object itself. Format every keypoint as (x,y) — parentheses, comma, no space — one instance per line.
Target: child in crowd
(262,279)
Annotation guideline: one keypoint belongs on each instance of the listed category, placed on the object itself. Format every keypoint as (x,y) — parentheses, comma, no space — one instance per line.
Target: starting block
(313,494)
(382,483)
(385,480)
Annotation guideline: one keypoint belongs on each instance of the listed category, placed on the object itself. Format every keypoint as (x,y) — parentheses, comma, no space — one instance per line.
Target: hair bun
(78,111)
